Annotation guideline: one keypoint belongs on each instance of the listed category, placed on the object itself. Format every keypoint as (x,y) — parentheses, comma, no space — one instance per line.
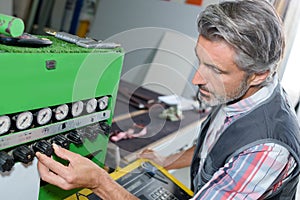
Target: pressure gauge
(24,120)
(61,112)
(4,124)
(91,105)
(44,116)
(77,108)
(103,102)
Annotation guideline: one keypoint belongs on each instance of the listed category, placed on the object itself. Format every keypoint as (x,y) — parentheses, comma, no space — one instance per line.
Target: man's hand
(79,173)
(174,161)
(153,156)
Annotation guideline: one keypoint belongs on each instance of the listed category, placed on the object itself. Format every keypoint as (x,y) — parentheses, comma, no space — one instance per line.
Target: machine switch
(105,128)
(75,137)
(43,147)
(23,154)
(61,141)
(91,133)
(6,162)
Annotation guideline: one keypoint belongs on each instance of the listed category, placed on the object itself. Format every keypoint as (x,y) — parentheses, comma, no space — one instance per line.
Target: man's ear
(257,78)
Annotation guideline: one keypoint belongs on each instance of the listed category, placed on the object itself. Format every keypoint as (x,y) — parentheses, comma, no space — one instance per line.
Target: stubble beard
(217,99)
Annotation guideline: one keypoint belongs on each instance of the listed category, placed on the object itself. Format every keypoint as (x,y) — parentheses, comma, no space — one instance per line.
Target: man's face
(218,77)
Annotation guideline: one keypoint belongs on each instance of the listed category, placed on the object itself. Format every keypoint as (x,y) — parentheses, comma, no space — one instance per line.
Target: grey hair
(252,27)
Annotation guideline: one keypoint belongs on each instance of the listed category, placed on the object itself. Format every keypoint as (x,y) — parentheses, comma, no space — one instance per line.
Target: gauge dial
(4,124)
(44,116)
(61,112)
(24,120)
(77,108)
(91,105)
(103,102)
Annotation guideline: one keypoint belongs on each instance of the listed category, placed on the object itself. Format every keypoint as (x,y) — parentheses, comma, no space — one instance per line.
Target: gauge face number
(91,105)
(4,124)
(24,120)
(77,108)
(61,112)
(103,103)
(44,116)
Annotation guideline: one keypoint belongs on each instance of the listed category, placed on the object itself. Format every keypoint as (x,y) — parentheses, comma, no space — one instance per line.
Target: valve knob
(23,154)
(6,162)
(43,147)
(61,141)
(75,137)
(91,133)
(105,128)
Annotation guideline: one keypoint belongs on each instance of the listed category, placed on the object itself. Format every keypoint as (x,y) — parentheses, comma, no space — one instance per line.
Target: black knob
(61,141)
(6,162)
(91,133)
(43,147)
(75,137)
(23,154)
(105,128)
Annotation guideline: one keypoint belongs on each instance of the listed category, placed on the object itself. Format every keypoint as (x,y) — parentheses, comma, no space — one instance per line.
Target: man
(249,144)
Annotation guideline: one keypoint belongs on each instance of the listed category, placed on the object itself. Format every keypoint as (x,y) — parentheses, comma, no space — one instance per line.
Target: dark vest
(272,121)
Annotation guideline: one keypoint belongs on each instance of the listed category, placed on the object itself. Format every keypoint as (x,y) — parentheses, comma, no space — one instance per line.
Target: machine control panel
(62,124)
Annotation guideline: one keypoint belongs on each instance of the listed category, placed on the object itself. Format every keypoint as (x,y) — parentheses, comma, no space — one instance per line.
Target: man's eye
(214,69)
(199,61)
(217,71)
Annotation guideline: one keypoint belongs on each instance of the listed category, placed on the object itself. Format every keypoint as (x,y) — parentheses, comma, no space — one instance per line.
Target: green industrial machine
(61,94)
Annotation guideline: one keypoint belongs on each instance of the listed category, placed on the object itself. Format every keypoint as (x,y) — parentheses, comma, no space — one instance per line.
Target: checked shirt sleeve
(249,175)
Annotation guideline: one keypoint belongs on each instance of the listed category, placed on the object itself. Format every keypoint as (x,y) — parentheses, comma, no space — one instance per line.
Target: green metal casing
(32,79)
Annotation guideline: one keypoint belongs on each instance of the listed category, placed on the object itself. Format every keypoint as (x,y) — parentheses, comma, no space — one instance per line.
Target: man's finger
(51,164)
(47,175)
(41,167)
(64,153)
(147,153)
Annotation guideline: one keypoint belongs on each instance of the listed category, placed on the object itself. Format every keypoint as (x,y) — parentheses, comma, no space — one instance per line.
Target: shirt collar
(249,103)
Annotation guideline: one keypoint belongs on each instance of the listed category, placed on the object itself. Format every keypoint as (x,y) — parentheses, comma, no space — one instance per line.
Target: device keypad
(162,194)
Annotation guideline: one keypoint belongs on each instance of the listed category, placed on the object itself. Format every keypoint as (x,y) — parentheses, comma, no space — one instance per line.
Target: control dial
(61,112)
(4,124)
(77,108)
(24,120)
(43,147)
(91,133)
(44,116)
(91,105)
(6,162)
(75,137)
(23,154)
(61,141)
(105,127)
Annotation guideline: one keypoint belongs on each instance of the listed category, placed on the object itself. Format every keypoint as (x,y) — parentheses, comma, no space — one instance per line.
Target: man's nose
(198,78)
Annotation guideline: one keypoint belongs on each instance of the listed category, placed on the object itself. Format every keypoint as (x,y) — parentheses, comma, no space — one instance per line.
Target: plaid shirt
(251,174)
